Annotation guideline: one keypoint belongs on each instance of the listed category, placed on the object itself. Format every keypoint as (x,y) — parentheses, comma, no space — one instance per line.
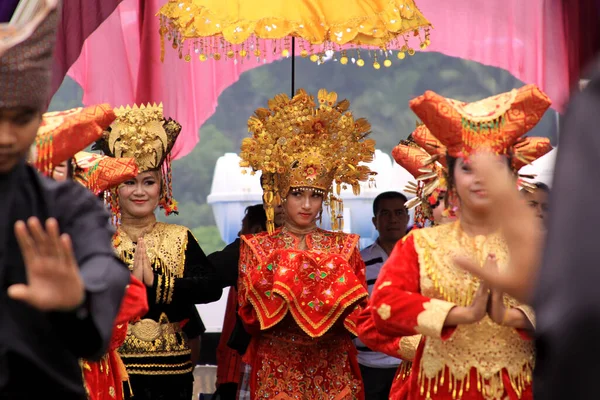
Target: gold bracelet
(504,316)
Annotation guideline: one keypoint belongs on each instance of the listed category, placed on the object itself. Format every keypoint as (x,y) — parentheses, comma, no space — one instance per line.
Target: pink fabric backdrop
(120,62)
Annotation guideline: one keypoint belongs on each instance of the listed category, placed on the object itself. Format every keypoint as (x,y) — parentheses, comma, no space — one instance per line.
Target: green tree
(382,96)
(209,238)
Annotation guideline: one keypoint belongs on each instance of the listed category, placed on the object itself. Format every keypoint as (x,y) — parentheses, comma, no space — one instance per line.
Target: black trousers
(378,382)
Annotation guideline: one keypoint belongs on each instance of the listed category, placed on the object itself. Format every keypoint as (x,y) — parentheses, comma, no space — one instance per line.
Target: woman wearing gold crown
(476,344)
(300,286)
(165,257)
(60,137)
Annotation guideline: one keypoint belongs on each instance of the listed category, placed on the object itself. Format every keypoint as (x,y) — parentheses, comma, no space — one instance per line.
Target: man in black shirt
(60,283)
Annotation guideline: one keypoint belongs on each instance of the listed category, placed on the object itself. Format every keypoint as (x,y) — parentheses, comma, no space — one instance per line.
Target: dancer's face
(470,189)
(139,197)
(302,207)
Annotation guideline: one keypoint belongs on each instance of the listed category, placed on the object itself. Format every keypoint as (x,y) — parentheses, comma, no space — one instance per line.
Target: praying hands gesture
(142,269)
(53,279)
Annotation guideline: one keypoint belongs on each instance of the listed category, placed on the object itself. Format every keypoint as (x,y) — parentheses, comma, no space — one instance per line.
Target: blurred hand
(53,279)
(519,227)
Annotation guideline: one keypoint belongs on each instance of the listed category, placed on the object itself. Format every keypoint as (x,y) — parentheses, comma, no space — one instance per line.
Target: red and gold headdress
(101,173)
(64,133)
(494,124)
(525,151)
(299,144)
(143,133)
(427,169)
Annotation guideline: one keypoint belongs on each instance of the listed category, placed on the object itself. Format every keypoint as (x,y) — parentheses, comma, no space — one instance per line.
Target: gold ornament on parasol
(238,29)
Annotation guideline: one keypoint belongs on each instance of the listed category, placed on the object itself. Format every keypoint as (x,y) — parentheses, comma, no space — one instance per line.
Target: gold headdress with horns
(302,145)
(143,133)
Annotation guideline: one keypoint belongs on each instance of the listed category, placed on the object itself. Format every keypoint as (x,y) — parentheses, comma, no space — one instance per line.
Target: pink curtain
(79,20)
(120,62)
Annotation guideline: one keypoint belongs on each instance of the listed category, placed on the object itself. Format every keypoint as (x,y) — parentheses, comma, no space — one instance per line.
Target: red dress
(302,307)
(104,379)
(403,348)
(417,288)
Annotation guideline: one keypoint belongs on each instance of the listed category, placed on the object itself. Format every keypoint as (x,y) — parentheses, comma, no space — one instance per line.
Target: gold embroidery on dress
(529,313)
(165,244)
(317,240)
(485,346)
(384,284)
(384,311)
(430,321)
(148,336)
(408,345)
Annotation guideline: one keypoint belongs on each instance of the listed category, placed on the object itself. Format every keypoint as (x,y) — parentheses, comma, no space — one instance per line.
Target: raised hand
(519,227)
(53,279)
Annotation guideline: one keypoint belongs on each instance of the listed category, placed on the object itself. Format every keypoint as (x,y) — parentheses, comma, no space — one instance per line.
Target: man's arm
(87,330)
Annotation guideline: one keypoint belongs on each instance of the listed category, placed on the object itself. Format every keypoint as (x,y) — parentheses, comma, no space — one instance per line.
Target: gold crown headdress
(299,144)
(143,133)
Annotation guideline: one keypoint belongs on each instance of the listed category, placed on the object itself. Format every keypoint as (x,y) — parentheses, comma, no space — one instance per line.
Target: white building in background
(232,191)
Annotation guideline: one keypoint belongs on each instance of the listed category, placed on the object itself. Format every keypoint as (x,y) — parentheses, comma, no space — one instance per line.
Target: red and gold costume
(101,173)
(155,349)
(105,379)
(60,137)
(420,283)
(428,168)
(300,297)
(64,133)
(299,304)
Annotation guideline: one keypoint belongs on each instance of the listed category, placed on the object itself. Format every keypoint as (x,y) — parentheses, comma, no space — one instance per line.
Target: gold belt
(148,330)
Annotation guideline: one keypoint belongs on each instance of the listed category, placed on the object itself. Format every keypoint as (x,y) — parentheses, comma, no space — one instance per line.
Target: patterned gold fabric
(469,346)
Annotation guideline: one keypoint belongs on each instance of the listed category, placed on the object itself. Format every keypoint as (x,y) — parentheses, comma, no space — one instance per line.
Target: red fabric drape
(581,22)
(80,18)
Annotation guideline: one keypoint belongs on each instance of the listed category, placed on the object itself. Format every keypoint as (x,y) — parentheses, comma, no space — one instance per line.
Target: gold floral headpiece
(298,144)
(143,133)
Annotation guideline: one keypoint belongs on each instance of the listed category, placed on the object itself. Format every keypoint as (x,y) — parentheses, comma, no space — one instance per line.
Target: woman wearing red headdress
(176,274)
(475,344)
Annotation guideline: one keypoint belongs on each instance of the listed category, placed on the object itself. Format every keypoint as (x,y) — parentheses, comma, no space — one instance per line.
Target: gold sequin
(384,284)
(384,311)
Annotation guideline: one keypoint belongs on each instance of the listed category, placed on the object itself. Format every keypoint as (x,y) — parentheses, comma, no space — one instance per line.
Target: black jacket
(39,351)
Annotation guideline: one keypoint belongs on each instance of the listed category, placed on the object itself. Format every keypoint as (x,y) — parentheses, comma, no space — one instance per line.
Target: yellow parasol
(240,29)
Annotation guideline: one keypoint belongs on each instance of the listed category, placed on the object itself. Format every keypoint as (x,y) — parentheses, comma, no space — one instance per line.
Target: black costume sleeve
(567,301)
(200,283)
(195,327)
(87,331)
(226,261)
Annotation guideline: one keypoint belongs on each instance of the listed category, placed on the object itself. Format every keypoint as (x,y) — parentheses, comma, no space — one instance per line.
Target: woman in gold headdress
(475,344)
(300,286)
(165,257)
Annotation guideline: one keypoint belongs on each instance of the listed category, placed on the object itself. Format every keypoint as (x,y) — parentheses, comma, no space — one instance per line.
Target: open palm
(53,279)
